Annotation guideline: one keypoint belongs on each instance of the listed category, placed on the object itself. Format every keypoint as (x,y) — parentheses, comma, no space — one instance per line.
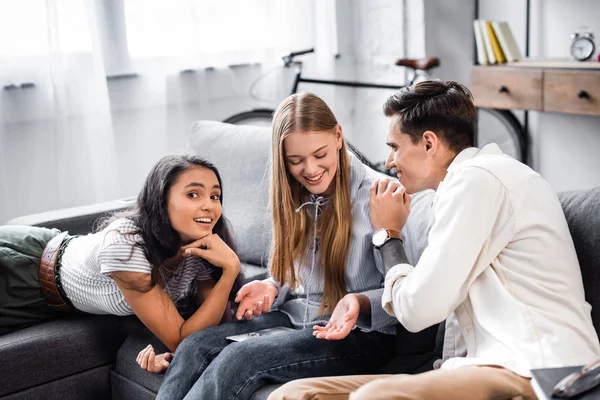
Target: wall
(564,147)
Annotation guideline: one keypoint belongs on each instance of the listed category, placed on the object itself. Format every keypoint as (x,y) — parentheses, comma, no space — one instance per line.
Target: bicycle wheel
(503,128)
(258,117)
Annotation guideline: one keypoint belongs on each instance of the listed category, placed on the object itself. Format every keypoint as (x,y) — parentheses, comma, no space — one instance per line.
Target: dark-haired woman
(142,261)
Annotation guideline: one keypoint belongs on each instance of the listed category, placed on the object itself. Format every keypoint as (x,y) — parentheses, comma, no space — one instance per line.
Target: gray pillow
(241,154)
(582,210)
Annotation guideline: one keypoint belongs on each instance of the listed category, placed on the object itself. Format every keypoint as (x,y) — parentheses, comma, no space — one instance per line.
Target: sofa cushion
(582,210)
(59,348)
(91,384)
(127,366)
(130,381)
(241,154)
(252,272)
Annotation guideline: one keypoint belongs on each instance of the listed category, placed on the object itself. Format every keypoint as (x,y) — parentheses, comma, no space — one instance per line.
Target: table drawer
(507,88)
(573,92)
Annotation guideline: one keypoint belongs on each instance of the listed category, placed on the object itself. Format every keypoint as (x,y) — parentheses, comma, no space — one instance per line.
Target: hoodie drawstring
(318,202)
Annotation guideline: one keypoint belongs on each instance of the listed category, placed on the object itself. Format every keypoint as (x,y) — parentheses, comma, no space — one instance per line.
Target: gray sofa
(93,357)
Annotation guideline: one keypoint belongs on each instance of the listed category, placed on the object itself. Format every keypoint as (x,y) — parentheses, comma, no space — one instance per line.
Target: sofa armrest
(77,220)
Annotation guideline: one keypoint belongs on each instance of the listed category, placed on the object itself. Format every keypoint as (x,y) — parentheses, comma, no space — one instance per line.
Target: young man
(500,259)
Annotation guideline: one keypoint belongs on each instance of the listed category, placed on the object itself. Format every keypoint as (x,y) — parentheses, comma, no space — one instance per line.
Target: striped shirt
(364,270)
(88,260)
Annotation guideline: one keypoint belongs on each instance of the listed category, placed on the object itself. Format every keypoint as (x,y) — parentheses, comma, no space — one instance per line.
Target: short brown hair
(444,107)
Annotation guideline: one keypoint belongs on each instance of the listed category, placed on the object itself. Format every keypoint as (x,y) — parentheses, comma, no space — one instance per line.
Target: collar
(472,152)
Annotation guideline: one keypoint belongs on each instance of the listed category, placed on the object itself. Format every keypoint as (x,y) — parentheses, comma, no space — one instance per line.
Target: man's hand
(151,362)
(342,320)
(389,205)
(255,298)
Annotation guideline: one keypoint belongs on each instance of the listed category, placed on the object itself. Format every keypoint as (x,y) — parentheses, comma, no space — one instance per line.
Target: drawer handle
(582,94)
(503,89)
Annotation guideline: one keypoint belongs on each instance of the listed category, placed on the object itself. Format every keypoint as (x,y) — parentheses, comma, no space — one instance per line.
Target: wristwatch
(383,235)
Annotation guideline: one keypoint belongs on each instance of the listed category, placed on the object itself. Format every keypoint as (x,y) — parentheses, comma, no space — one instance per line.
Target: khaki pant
(22,303)
(465,383)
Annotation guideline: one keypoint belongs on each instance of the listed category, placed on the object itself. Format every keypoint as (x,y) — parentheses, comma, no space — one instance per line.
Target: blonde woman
(325,281)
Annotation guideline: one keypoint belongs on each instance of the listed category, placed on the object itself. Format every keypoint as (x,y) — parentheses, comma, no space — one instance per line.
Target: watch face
(379,237)
(582,48)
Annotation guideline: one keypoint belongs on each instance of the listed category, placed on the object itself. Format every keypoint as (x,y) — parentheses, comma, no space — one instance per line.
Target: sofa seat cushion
(59,348)
(127,366)
(252,272)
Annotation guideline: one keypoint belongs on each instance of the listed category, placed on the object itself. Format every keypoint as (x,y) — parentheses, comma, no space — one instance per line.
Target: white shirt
(500,256)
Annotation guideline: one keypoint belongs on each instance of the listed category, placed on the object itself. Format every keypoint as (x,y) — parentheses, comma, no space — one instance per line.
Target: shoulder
(122,249)
(469,178)
(499,168)
(122,231)
(361,178)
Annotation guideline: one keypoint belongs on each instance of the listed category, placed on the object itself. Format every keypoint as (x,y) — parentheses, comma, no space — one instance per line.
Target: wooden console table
(542,85)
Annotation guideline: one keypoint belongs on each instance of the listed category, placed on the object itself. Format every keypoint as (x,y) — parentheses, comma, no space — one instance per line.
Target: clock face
(582,49)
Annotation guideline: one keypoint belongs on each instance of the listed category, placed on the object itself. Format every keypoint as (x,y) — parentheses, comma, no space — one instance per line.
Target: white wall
(565,147)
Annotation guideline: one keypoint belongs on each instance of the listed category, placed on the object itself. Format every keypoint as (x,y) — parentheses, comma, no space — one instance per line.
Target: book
(507,40)
(479,45)
(544,379)
(486,41)
(495,43)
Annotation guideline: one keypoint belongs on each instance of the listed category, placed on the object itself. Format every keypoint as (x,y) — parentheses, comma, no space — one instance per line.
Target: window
(213,33)
(193,33)
(28,27)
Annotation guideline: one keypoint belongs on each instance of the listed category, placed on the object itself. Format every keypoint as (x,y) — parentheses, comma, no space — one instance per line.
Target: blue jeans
(206,366)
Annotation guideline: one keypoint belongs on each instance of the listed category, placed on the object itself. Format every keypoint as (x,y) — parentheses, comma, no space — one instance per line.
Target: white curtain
(71,136)
(55,127)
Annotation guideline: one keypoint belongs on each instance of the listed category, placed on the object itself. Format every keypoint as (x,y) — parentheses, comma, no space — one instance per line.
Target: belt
(50,273)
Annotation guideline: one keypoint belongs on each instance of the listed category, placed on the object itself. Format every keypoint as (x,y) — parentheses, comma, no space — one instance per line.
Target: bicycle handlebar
(299,53)
(289,58)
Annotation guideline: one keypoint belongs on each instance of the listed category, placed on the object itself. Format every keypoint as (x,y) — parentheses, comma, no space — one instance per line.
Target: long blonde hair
(306,112)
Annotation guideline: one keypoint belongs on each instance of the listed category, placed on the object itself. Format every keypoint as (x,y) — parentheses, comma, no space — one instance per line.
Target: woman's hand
(151,362)
(342,320)
(214,250)
(255,298)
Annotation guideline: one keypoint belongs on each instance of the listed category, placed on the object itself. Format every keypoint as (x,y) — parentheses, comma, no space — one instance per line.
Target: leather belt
(50,275)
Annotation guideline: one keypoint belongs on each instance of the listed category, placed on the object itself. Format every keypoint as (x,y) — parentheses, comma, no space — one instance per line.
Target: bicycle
(510,136)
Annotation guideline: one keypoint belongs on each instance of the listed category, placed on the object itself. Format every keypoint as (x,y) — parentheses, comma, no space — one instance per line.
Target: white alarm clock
(582,45)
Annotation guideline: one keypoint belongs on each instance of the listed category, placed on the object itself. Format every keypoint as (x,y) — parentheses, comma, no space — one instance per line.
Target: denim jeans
(206,366)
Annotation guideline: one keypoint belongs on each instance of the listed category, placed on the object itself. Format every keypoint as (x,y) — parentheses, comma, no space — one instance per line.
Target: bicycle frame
(515,132)
(300,79)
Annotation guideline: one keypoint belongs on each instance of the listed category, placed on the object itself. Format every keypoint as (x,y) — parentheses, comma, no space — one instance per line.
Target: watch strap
(393,234)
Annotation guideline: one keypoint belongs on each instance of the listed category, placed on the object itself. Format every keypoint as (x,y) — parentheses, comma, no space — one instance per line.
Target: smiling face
(413,162)
(194,205)
(312,158)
